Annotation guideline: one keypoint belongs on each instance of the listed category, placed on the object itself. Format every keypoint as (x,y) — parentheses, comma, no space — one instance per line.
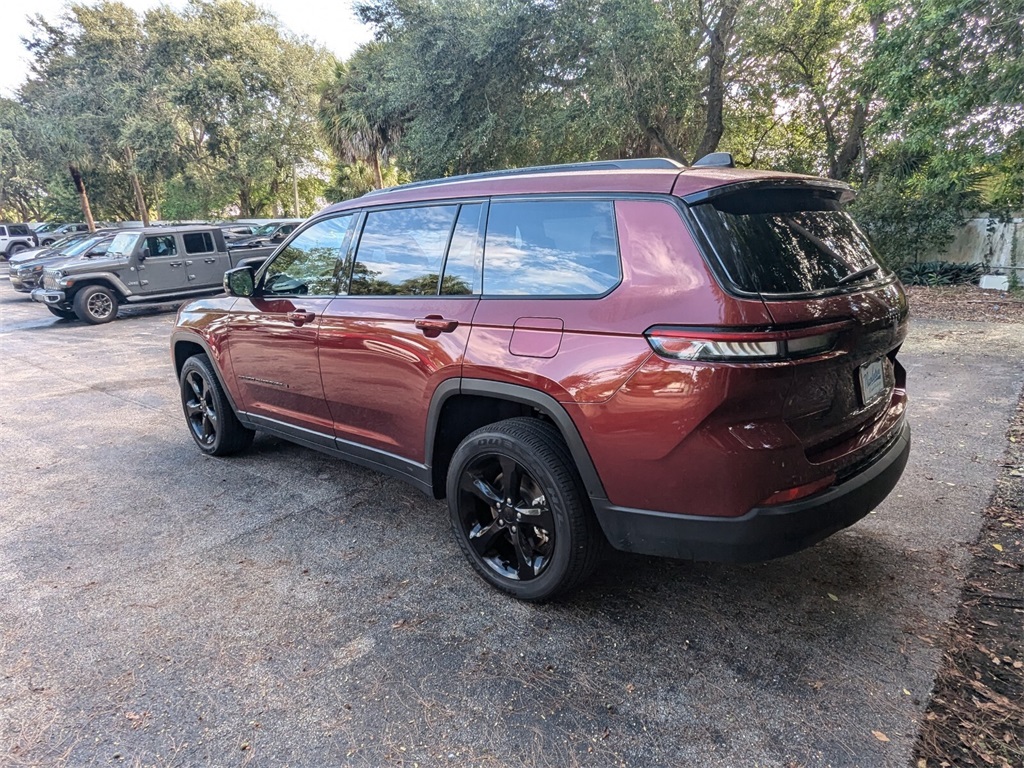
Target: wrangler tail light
(742,345)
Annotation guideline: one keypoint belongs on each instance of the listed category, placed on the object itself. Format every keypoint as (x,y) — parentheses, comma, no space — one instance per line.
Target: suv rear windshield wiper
(853,277)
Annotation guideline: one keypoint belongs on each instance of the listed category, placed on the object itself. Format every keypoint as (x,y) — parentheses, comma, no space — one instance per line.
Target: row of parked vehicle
(92,272)
(88,275)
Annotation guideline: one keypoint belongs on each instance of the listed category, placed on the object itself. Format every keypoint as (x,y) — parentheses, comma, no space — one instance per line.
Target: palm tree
(357,125)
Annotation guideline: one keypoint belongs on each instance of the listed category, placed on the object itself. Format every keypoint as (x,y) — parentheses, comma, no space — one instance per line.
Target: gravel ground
(283,608)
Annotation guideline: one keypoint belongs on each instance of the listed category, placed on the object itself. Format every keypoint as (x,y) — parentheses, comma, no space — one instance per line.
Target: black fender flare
(541,401)
(178,337)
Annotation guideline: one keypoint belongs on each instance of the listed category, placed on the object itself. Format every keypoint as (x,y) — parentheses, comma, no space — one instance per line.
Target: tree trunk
(295,190)
(140,198)
(718,38)
(83,196)
(375,161)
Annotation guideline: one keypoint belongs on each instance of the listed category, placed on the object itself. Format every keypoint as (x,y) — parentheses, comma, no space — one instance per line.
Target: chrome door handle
(175,264)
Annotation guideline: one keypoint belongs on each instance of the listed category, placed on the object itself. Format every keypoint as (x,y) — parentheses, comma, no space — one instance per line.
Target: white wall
(988,241)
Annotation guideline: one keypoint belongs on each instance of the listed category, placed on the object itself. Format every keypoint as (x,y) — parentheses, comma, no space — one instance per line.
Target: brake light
(742,345)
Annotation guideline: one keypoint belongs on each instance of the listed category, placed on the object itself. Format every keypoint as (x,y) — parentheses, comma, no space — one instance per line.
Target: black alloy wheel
(519,510)
(211,419)
(506,517)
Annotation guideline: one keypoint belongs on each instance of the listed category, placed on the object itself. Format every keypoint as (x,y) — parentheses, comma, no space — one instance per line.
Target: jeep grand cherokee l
(695,362)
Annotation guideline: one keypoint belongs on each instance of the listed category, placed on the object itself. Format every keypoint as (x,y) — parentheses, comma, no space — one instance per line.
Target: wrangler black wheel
(211,420)
(520,513)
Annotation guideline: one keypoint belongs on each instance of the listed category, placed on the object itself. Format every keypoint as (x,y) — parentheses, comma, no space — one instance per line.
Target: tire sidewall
(195,364)
(547,583)
(81,304)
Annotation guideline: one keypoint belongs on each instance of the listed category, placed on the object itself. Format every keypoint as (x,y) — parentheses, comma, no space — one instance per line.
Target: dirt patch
(966,302)
(976,715)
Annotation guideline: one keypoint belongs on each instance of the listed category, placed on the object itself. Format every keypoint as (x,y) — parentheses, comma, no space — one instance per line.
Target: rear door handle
(301,316)
(175,264)
(432,325)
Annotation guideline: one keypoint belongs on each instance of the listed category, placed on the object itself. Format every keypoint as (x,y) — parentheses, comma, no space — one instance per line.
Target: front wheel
(211,419)
(520,513)
(95,304)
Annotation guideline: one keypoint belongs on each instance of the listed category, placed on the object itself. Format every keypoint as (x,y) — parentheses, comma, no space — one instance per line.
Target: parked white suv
(15,238)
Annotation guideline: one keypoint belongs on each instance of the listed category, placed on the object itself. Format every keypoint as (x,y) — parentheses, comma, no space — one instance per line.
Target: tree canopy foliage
(181,112)
(917,103)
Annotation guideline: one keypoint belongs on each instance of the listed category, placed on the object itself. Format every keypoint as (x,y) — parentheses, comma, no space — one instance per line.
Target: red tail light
(743,345)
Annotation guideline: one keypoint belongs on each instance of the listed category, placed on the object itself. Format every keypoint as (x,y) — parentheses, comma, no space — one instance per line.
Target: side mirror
(145,254)
(239,282)
(278,237)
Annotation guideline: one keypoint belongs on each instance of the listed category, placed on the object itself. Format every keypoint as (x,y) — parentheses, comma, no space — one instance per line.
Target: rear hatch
(797,249)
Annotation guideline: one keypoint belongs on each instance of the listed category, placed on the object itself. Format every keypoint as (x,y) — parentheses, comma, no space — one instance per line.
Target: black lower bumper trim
(764,532)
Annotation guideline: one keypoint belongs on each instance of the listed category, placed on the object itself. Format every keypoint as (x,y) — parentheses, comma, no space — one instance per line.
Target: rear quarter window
(551,248)
(785,241)
(198,242)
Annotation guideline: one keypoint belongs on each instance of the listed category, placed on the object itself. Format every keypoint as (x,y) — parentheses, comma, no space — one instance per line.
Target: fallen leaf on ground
(833,597)
(998,547)
(880,736)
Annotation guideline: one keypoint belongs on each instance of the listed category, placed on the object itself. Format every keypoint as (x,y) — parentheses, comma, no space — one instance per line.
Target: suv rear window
(550,248)
(785,241)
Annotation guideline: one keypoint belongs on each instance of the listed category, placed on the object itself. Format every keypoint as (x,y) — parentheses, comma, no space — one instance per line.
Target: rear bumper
(762,533)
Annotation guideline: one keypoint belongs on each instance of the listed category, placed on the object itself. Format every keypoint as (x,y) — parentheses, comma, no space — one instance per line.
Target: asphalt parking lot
(282,608)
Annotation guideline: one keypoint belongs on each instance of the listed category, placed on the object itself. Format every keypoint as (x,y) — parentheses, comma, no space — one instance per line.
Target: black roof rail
(634,164)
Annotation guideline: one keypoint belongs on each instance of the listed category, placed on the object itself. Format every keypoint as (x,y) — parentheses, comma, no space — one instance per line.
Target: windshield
(63,243)
(785,241)
(266,229)
(123,244)
(83,246)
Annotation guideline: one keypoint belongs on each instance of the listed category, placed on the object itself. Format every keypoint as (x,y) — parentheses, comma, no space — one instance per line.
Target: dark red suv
(697,362)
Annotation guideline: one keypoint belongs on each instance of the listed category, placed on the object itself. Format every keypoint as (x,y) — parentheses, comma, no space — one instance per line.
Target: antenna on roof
(716,160)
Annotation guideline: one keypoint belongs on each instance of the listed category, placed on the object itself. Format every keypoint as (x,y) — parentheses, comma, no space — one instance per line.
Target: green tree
(244,97)
(356,112)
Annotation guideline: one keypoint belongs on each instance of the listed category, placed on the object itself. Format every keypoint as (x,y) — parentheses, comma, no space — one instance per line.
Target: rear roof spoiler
(842,191)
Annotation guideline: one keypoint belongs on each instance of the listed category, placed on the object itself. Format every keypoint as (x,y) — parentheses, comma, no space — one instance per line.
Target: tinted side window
(401,251)
(308,266)
(465,254)
(3,231)
(198,242)
(19,229)
(161,245)
(551,248)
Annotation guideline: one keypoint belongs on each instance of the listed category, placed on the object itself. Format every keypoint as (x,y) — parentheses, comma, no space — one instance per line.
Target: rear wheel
(64,313)
(211,419)
(95,304)
(16,248)
(520,513)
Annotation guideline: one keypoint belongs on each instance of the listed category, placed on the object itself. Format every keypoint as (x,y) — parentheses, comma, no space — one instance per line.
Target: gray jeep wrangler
(151,264)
